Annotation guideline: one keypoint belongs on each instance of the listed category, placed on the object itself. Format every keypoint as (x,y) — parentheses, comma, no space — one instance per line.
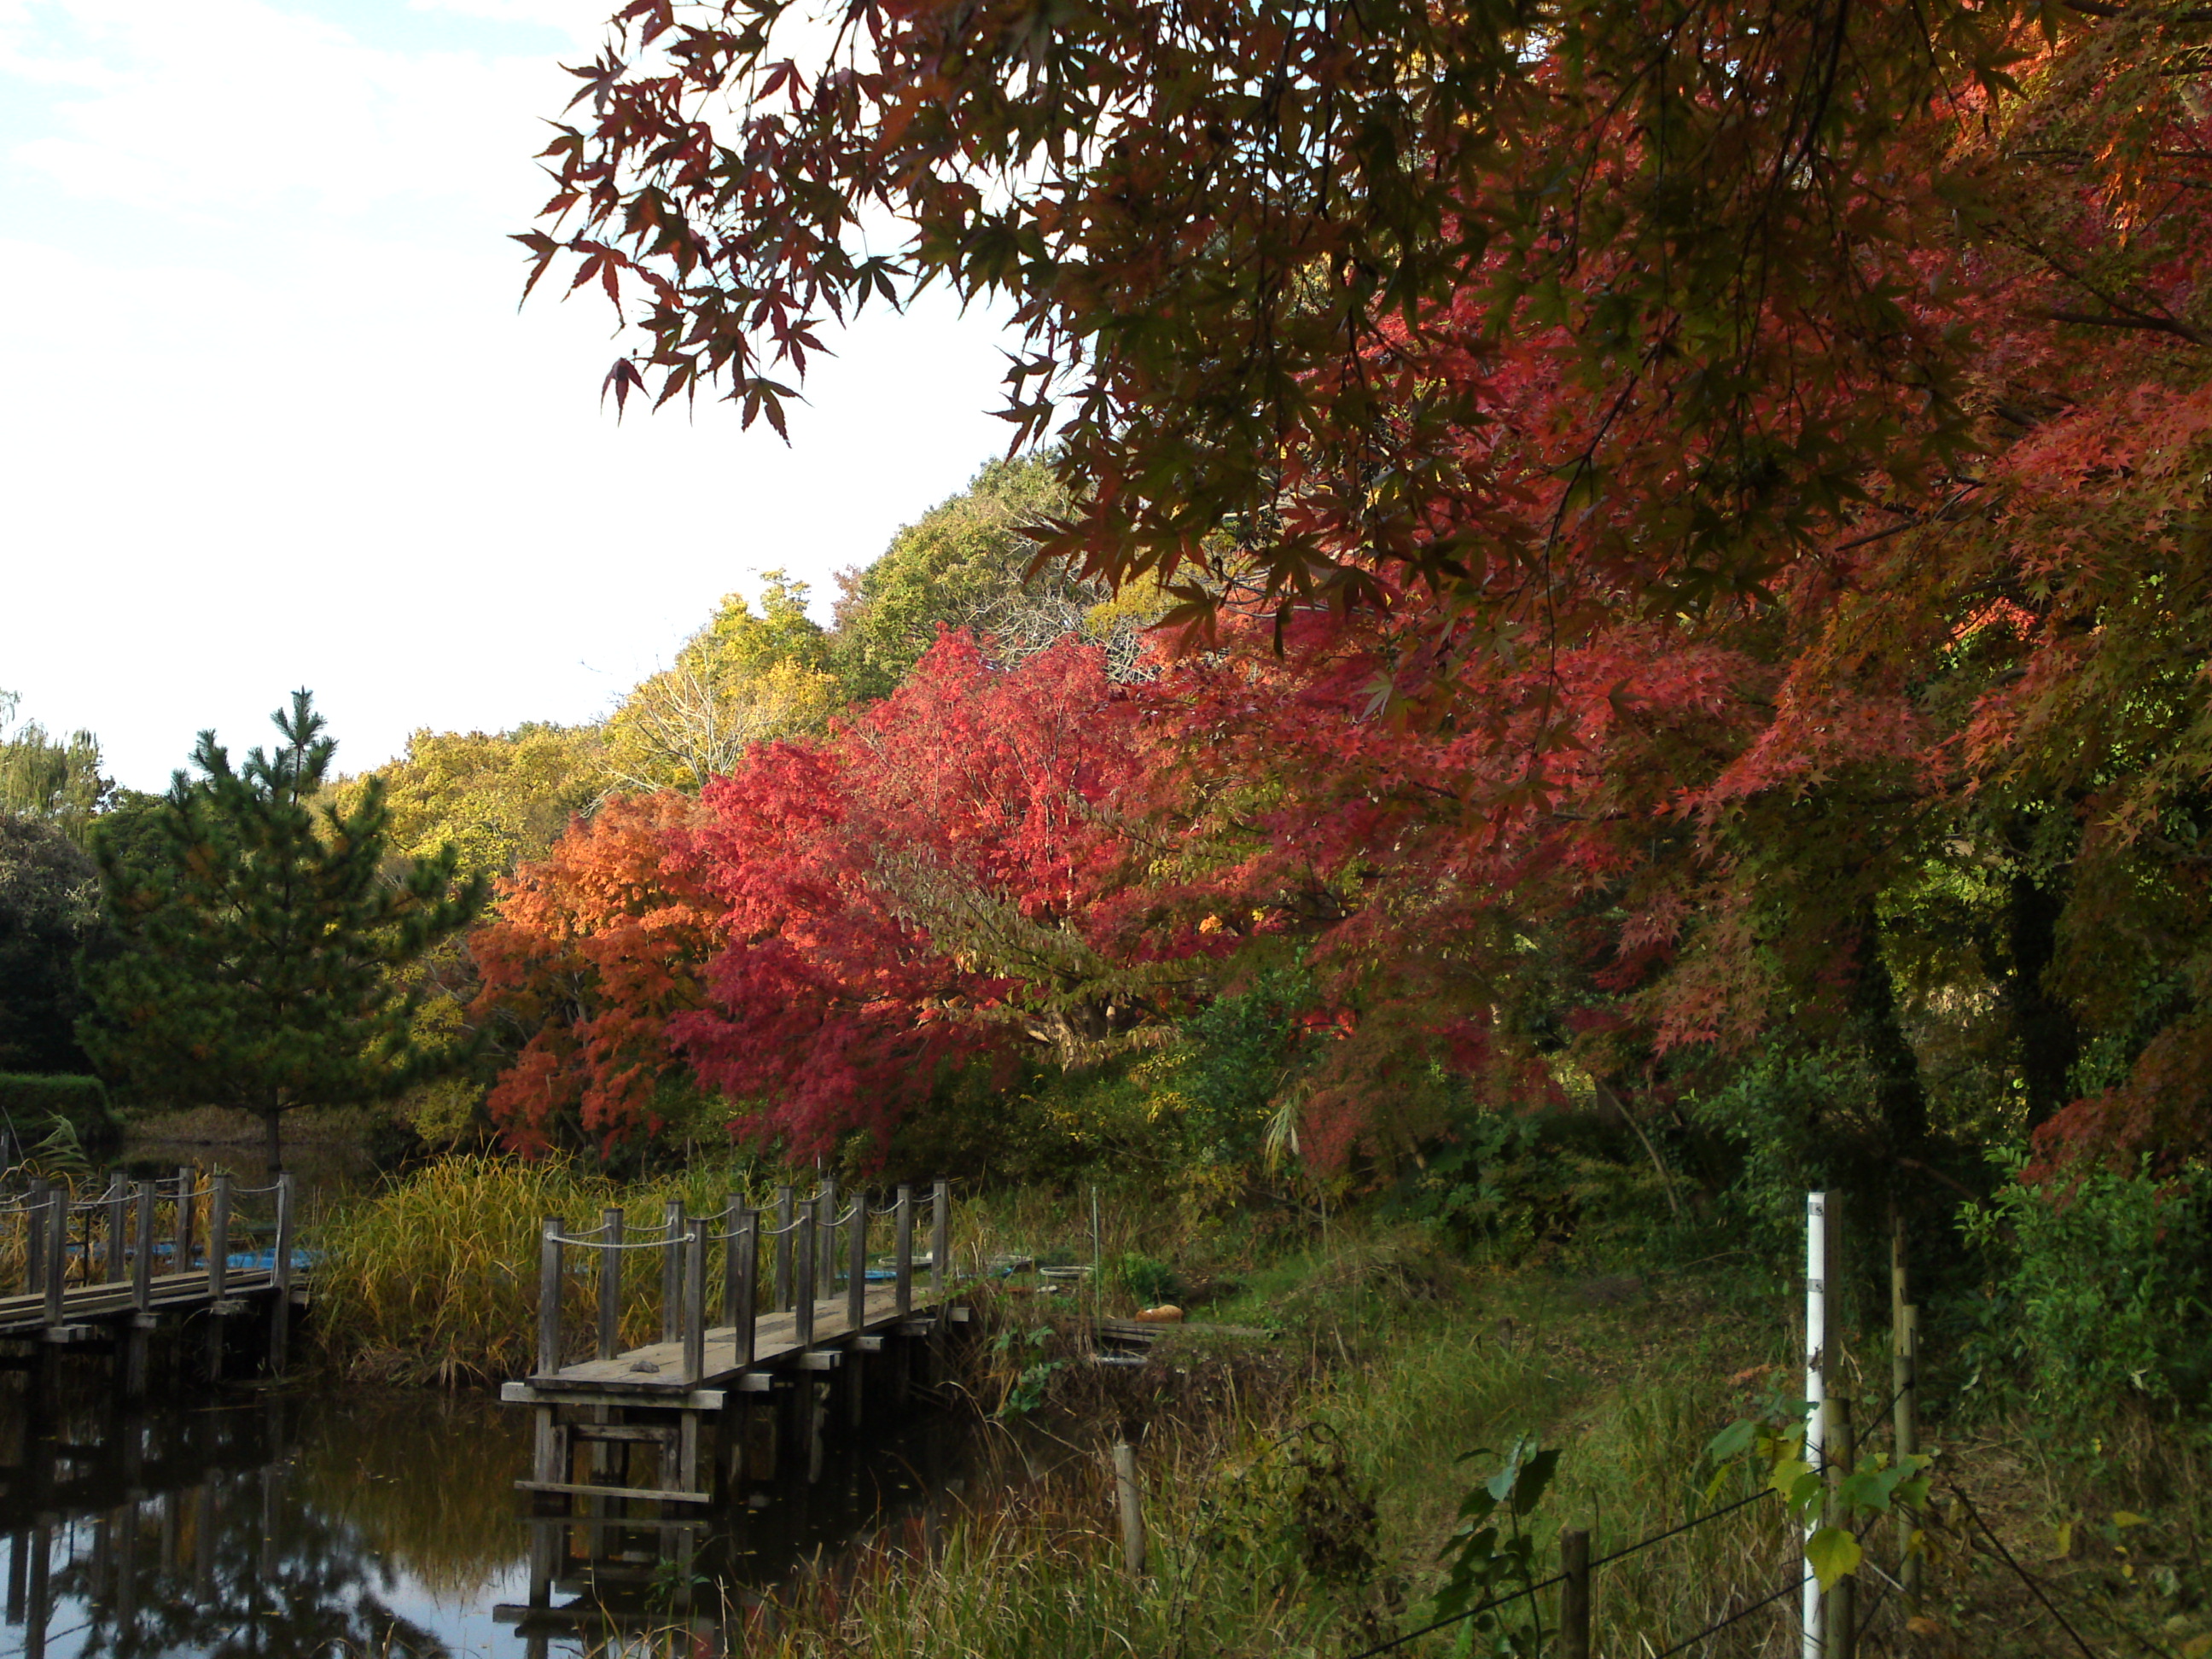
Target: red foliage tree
(594,949)
(944,877)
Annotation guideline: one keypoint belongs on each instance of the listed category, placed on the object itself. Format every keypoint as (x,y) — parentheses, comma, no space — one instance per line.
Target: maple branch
(2135,320)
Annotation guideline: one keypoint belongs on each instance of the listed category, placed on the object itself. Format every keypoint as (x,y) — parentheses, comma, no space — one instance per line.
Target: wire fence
(1822,1465)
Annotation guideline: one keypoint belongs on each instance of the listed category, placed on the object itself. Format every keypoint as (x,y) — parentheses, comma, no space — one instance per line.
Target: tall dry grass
(433,1277)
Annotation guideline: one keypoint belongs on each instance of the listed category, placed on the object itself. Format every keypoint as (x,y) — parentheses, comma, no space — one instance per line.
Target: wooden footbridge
(139,1257)
(741,1376)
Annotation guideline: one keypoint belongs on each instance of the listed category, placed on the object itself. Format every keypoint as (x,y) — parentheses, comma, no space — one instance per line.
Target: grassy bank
(1300,1487)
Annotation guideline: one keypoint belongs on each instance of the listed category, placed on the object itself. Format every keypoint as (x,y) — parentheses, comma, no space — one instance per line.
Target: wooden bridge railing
(147,1234)
(802,1248)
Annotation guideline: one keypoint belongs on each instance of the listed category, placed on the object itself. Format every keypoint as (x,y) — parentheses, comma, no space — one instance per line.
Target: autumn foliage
(1691,541)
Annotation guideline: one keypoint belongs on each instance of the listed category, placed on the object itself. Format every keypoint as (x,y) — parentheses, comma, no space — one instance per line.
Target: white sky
(272,418)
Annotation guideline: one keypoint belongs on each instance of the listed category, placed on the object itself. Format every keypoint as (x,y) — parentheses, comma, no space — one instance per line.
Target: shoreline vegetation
(1298,1489)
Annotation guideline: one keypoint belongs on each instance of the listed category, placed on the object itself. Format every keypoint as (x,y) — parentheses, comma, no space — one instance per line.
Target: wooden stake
(1574,1594)
(1905,1423)
(1842,1449)
(1129,1497)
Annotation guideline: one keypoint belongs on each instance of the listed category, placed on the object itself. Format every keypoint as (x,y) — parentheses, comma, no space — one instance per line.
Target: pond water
(297,1521)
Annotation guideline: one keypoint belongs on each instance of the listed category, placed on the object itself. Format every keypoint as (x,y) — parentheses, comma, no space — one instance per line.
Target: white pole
(1816,1366)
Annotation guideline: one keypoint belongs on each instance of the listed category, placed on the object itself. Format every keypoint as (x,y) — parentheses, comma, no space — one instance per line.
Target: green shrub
(2103,1292)
(31,1102)
(1150,1280)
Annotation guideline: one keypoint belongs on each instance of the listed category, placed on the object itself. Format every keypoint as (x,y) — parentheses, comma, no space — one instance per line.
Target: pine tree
(261,938)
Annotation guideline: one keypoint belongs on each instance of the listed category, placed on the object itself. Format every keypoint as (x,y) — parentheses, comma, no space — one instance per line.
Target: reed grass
(433,1277)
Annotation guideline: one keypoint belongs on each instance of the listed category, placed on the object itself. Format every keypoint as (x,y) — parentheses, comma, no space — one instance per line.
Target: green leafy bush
(1149,1280)
(2103,1292)
(31,1102)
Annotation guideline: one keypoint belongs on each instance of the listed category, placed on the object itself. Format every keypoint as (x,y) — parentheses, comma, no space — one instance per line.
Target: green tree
(49,913)
(745,677)
(499,800)
(261,940)
(57,780)
(967,563)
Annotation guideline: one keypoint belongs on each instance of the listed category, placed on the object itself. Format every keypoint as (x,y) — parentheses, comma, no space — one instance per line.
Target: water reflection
(297,1523)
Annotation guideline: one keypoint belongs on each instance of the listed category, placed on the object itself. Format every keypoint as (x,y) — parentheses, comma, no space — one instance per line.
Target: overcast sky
(272,417)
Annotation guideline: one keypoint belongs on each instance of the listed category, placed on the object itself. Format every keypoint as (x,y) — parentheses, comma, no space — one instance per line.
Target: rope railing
(789,1259)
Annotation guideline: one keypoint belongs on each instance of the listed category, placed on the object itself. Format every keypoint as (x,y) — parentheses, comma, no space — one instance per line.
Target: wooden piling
(784,1199)
(902,1271)
(739,1289)
(548,1297)
(1840,1444)
(1904,1424)
(1128,1498)
(280,1276)
(611,1257)
(671,1269)
(856,1263)
(803,1309)
(1574,1594)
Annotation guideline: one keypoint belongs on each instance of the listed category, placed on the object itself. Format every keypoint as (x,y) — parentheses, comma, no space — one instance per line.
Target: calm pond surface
(297,1521)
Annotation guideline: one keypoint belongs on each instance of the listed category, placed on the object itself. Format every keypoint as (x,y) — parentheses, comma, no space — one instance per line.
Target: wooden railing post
(1905,1427)
(856,1264)
(784,1199)
(141,1261)
(803,1310)
(695,1304)
(1574,1594)
(611,1235)
(671,1269)
(745,1259)
(734,1209)
(280,1277)
(34,1237)
(902,1273)
(187,1201)
(218,1237)
(825,1247)
(57,1210)
(548,1297)
(118,1219)
(941,1236)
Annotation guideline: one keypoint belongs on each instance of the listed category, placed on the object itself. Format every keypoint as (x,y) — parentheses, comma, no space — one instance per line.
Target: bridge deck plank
(658,1367)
